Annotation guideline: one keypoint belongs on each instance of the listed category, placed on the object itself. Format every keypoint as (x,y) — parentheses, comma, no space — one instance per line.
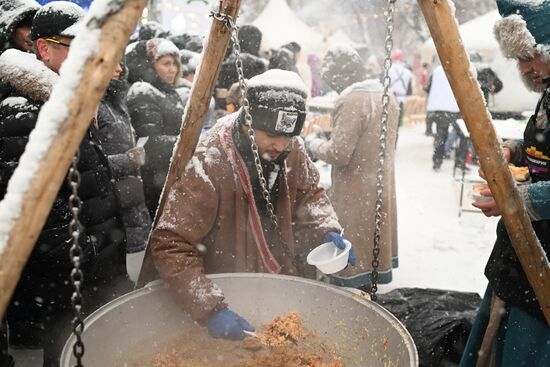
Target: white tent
(280,25)
(477,36)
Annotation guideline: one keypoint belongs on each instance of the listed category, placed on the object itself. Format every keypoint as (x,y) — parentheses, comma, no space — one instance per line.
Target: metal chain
(248,121)
(77,277)
(382,150)
(228,20)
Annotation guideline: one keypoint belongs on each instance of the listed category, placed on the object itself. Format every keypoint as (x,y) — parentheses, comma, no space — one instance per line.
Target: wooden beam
(37,201)
(444,29)
(197,107)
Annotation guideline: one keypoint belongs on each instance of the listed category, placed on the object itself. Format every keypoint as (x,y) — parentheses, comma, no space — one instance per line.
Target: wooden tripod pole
(444,30)
(37,201)
(196,109)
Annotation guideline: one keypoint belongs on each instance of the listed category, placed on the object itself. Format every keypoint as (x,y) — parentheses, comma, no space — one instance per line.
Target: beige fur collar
(27,75)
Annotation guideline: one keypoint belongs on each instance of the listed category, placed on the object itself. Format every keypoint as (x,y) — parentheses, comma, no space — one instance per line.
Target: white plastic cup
(328,260)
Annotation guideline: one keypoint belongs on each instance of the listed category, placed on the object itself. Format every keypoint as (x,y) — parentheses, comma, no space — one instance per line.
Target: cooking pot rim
(156,284)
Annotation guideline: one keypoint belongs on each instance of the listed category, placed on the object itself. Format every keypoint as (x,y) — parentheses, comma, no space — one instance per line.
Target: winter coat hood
(12,14)
(342,66)
(29,76)
(250,39)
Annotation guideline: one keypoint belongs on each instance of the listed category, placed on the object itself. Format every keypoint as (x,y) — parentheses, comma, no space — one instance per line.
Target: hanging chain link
(382,150)
(247,117)
(232,27)
(77,277)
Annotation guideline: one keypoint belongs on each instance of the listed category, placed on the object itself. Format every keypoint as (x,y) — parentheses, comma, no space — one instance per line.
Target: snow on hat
(159,47)
(277,102)
(524,29)
(342,66)
(58,18)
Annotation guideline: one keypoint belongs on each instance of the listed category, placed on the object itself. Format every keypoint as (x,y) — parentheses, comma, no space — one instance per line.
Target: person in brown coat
(353,153)
(216,219)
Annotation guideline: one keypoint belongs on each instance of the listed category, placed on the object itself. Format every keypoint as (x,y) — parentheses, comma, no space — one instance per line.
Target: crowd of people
(223,203)
(249,200)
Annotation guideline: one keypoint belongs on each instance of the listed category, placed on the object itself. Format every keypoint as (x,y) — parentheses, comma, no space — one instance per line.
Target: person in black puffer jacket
(43,293)
(156,109)
(118,140)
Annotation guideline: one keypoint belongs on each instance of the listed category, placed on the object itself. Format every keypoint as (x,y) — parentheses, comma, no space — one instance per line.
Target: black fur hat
(57,18)
(277,102)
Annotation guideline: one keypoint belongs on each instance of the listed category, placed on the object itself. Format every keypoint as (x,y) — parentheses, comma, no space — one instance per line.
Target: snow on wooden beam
(439,16)
(61,125)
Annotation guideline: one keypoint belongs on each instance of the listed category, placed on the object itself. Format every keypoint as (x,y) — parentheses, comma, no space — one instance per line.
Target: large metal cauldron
(131,328)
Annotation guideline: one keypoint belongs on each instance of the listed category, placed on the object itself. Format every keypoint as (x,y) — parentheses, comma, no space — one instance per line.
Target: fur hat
(277,102)
(342,66)
(524,29)
(58,18)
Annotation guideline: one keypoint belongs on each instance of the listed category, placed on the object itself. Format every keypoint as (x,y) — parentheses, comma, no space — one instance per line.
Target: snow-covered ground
(437,249)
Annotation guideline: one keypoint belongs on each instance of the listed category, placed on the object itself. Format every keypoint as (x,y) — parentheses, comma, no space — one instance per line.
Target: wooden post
(37,201)
(444,30)
(197,107)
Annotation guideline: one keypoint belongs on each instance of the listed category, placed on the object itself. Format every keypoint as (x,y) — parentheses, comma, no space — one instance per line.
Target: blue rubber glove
(227,324)
(338,241)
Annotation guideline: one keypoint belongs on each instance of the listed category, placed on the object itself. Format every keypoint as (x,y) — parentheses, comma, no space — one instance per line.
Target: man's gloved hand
(227,324)
(338,241)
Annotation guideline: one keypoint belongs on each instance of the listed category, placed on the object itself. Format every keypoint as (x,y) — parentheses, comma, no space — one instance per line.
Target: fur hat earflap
(524,30)
(515,40)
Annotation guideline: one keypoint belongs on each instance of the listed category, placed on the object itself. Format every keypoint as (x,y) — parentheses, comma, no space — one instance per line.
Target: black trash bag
(439,321)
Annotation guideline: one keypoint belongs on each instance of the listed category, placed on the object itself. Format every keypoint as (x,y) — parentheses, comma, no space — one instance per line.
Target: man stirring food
(237,210)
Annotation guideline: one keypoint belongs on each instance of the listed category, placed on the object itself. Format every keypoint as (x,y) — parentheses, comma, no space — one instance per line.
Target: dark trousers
(429,124)
(442,120)
(462,147)
(5,359)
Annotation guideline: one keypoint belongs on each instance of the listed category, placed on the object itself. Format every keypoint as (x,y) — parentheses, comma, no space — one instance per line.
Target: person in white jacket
(442,109)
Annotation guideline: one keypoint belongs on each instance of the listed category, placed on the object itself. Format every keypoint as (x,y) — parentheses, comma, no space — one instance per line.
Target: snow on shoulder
(278,79)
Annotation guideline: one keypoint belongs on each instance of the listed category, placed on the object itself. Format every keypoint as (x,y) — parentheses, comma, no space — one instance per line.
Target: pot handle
(358,292)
